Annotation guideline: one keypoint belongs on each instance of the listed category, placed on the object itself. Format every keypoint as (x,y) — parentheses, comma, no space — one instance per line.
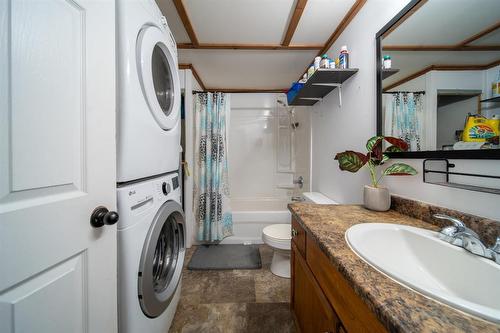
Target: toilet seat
(278,236)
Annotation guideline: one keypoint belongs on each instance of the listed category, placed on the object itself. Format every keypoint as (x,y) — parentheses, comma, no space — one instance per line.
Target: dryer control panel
(140,199)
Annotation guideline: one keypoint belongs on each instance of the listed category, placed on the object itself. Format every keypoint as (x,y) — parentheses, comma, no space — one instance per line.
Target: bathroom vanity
(334,290)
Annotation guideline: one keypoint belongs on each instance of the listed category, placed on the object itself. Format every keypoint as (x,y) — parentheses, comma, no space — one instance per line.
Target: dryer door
(159,76)
(162,260)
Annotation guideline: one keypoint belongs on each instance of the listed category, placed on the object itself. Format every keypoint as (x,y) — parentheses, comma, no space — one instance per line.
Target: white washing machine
(151,250)
(149,97)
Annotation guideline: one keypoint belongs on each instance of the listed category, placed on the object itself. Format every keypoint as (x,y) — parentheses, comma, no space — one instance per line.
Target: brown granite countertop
(400,309)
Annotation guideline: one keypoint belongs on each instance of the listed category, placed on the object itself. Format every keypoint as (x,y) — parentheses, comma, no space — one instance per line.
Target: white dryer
(151,250)
(149,97)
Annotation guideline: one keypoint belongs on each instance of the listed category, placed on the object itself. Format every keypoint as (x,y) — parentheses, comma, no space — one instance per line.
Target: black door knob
(101,216)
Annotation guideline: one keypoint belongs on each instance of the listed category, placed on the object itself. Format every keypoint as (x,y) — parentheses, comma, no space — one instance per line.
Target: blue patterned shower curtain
(211,183)
(404,117)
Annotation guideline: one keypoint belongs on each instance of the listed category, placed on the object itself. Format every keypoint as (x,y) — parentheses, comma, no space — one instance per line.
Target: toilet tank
(318,198)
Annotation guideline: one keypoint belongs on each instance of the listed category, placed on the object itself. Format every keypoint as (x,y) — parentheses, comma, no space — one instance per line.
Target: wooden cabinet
(321,299)
(312,310)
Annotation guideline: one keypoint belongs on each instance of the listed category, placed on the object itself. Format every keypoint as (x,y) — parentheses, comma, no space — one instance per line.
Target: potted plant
(376,197)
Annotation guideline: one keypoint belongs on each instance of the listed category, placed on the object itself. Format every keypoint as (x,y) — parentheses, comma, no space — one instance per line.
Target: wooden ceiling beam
(181,10)
(209,46)
(294,22)
(442,68)
(480,34)
(195,74)
(441,47)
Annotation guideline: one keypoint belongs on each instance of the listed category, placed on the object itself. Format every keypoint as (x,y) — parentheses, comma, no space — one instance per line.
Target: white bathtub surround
(251,217)
(279,237)
(264,159)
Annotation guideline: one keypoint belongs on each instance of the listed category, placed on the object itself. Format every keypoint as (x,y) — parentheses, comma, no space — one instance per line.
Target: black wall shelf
(491,100)
(388,72)
(320,84)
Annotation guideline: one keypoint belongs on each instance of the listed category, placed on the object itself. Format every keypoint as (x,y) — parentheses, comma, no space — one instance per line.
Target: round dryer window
(159,77)
(162,260)
(162,80)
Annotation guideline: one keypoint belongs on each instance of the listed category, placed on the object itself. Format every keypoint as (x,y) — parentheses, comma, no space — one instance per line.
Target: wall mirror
(438,79)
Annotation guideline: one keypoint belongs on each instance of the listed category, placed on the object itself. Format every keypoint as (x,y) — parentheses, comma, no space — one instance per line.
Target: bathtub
(251,216)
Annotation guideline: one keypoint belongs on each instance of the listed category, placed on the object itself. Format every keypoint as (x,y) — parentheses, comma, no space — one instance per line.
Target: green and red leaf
(373,141)
(400,169)
(351,161)
(393,149)
(397,142)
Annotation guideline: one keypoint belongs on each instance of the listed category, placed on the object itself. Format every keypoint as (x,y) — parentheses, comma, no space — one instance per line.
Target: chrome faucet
(460,235)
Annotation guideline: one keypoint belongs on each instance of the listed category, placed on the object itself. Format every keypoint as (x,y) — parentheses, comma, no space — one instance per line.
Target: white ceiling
(252,22)
(239,22)
(319,20)
(247,69)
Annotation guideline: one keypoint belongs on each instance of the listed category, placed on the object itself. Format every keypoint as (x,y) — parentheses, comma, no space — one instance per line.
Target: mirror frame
(488,154)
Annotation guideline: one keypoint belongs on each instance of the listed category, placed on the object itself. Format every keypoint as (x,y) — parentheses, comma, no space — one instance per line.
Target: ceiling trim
(442,68)
(404,18)
(195,74)
(480,34)
(356,7)
(459,47)
(294,22)
(181,10)
(211,46)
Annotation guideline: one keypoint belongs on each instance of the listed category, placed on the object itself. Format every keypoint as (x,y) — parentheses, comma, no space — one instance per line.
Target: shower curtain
(404,115)
(211,183)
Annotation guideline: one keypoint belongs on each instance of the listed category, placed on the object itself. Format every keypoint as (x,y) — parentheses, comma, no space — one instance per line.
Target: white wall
(337,129)
(253,150)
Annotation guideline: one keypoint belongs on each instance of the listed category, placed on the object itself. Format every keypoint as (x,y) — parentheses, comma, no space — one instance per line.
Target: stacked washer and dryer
(151,230)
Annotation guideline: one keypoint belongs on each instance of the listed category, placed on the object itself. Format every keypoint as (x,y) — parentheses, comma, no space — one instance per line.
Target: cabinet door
(313,312)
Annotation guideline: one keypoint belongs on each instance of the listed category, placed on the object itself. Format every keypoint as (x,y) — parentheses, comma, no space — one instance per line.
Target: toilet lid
(278,231)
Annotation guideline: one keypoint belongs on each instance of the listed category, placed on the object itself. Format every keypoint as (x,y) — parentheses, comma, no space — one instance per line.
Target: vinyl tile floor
(234,301)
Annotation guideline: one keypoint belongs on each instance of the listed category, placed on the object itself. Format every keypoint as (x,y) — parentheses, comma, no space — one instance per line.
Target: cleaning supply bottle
(325,62)
(317,62)
(479,128)
(310,71)
(495,86)
(344,57)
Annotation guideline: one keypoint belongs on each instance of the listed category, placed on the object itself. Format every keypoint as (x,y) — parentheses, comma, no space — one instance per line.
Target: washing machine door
(158,75)
(162,260)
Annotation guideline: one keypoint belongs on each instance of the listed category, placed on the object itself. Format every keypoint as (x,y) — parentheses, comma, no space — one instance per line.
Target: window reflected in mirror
(441,76)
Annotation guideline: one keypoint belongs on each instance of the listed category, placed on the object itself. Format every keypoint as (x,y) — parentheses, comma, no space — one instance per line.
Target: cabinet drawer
(299,237)
(353,312)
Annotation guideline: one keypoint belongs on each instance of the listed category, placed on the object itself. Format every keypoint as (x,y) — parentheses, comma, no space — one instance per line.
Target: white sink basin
(418,259)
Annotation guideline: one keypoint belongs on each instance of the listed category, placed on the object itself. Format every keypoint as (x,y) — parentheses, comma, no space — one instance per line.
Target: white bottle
(317,62)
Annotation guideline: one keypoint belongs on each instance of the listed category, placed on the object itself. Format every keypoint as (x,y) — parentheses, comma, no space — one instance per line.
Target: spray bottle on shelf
(344,57)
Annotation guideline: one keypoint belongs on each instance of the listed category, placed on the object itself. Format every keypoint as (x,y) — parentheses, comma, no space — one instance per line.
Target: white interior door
(57,163)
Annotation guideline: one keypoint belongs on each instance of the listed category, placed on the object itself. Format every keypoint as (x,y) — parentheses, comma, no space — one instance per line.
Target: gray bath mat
(228,256)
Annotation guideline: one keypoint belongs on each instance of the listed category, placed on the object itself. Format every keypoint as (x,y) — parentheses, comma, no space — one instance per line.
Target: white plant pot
(377,198)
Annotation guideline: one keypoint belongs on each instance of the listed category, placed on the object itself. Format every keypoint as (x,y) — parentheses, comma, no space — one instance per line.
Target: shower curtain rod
(404,92)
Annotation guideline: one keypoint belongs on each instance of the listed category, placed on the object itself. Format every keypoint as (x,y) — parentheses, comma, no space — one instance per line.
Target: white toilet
(279,237)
